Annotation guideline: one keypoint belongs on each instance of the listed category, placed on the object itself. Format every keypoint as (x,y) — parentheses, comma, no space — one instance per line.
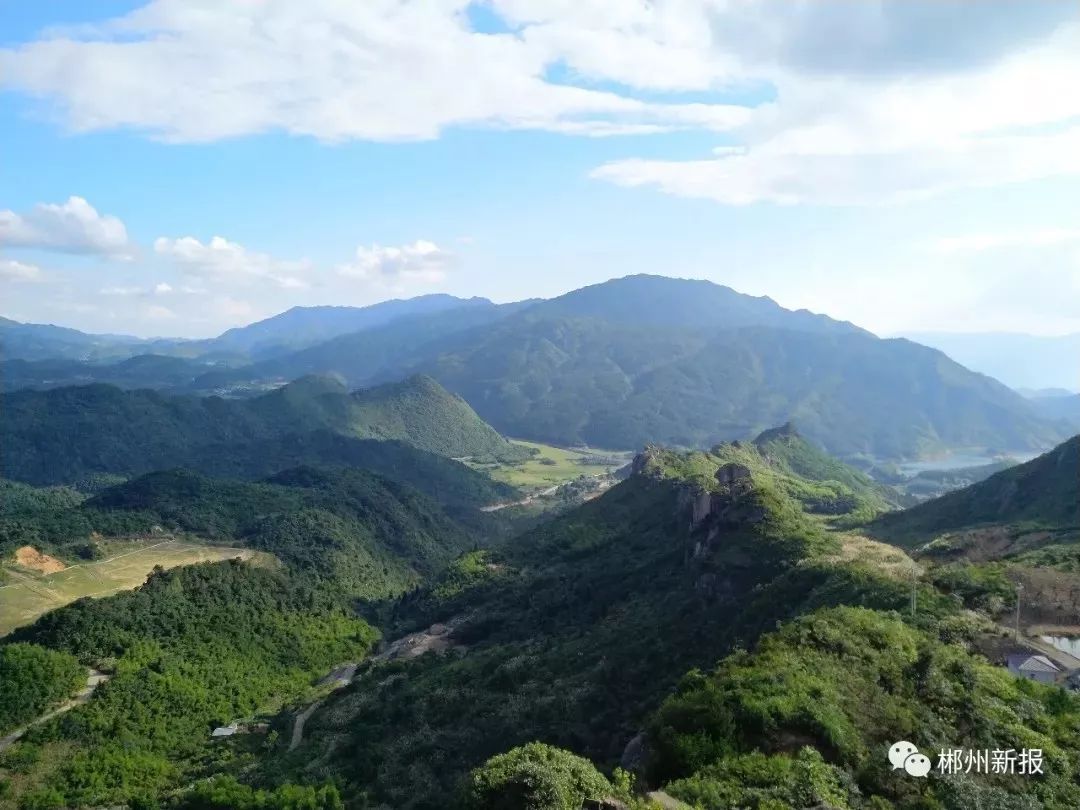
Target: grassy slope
(422,411)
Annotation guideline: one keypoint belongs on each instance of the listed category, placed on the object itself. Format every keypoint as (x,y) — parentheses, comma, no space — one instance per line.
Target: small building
(1034,667)
(225,731)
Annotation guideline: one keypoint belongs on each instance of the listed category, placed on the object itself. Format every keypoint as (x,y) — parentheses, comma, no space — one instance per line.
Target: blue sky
(182,167)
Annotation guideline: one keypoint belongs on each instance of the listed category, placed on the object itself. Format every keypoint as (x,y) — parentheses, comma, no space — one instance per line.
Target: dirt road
(434,639)
(94,679)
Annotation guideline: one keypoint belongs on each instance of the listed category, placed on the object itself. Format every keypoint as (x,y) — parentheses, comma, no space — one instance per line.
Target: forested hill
(1043,493)
(696,626)
(61,435)
(623,363)
(658,301)
(615,385)
(650,359)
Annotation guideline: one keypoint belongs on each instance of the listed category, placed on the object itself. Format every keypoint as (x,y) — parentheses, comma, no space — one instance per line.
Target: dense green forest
(343,528)
(576,632)
(619,364)
(32,680)
(715,626)
(649,359)
(65,434)
(193,649)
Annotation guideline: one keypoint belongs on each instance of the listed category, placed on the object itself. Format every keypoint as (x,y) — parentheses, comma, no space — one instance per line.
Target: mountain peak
(651,300)
(784,431)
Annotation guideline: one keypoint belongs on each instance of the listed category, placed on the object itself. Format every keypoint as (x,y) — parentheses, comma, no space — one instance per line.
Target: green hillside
(648,359)
(614,385)
(706,623)
(193,649)
(784,448)
(421,411)
(620,364)
(577,632)
(594,635)
(64,434)
(1043,493)
(346,528)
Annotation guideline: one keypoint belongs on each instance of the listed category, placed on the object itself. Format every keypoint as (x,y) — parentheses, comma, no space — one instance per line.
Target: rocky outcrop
(732,503)
(608,803)
(641,465)
(635,755)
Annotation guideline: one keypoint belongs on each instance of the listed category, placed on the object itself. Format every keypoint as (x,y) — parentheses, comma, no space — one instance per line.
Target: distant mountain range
(1057,404)
(619,364)
(1018,360)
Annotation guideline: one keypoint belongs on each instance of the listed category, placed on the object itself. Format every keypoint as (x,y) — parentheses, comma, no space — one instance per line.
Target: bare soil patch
(33,560)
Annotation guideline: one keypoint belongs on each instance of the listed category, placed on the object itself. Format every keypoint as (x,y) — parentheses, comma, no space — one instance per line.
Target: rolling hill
(693,625)
(636,360)
(1043,493)
(299,327)
(64,434)
(651,359)
(609,385)
(37,341)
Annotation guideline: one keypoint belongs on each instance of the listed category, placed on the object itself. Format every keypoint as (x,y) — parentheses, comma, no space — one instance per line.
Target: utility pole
(914,593)
(1019,591)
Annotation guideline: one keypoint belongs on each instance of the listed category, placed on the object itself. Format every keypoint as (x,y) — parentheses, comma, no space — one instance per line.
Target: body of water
(1067,644)
(956,461)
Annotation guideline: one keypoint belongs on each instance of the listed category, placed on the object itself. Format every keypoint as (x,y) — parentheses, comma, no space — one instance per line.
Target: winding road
(94,679)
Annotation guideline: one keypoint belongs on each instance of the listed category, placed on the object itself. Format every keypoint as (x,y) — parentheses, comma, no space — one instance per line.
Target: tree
(535,777)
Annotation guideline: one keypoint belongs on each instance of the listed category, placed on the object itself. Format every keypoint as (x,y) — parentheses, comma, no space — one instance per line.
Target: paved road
(94,679)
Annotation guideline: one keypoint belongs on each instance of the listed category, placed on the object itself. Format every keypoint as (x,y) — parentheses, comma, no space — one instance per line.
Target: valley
(393,605)
(539,405)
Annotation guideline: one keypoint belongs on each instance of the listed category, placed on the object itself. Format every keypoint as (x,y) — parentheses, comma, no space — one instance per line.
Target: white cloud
(223,261)
(979,242)
(422,262)
(121,291)
(378,70)
(70,227)
(11,270)
(876,101)
(162,288)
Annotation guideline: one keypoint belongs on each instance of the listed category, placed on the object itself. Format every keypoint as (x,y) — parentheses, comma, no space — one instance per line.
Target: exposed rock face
(604,804)
(732,503)
(734,474)
(636,754)
(641,461)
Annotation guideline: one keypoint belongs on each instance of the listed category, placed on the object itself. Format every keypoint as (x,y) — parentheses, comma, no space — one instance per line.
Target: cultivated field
(555,465)
(26,595)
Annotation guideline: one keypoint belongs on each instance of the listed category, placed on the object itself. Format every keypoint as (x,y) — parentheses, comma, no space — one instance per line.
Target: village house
(1034,667)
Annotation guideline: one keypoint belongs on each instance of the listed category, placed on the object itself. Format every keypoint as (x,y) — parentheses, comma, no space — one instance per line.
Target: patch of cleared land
(551,466)
(887,559)
(28,594)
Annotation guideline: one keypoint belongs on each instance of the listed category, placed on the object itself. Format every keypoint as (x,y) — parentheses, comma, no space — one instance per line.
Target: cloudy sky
(181,166)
